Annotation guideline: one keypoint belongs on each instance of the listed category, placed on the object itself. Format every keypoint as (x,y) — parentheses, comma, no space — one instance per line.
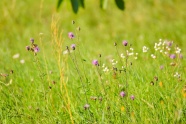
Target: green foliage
(103,4)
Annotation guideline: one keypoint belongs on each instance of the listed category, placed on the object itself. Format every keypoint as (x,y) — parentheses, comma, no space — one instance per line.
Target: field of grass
(126,66)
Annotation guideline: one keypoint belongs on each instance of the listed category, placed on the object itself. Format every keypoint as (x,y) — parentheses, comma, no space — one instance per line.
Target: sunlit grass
(53,87)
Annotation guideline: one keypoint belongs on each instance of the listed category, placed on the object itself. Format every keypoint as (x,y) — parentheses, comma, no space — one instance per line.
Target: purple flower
(95,62)
(36,49)
(169,43)
(181,56)
(86,106)
(32,40)
(122,94)
(71,35)
(28,48)
(132,97)
(73,46)
(125,43)
(172,56)
(161,67)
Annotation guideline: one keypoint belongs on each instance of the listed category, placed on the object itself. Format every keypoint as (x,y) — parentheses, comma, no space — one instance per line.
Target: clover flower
(122,94)
(71,35)
(86,106)
(125,43)
(132,97)
(73,46)
(36,49)
(95,62)
(177,75)
(172,56)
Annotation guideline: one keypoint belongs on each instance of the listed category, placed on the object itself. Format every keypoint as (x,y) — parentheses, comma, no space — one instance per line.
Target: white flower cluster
(145,49)
(177,75)
(105,69)
(163,46)
(153,56)
(130,52)
(178,50)
(114,62)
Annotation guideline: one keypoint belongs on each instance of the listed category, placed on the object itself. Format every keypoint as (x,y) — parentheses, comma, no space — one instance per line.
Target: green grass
(29,95)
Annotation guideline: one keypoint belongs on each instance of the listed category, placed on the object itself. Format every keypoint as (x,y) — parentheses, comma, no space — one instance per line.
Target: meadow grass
(62,83)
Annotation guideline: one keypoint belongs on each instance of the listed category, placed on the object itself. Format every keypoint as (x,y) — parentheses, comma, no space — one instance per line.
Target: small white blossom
(22,61)
(145,49)
(153,56)
(16,56)
(122,56)
(178,50)
(177,75)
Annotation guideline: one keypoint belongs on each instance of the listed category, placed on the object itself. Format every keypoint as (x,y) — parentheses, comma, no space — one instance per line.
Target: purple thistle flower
(125,43)
(73,46)
(86,106)
(71,35)
(95,62)
(122,94)
(32,40)
(132,97)
(28,48)
(172,56)
(169,43)
(36,49)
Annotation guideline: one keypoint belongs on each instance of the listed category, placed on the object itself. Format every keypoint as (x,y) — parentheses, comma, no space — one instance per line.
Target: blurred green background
(142,23)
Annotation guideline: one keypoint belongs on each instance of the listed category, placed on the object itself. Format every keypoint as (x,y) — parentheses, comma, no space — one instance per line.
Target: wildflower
(71,35)
(28,48)
(106,69)
(73,46)
(132,97)
(122,94)
(36,49)
(86,106)
(32,40)
(156,78)
(122,108)
(151,83)
(180,56)
(161,67)
(125,43)
(161,84)
(145,49)
(172,56)
(16,56)
(177,75)
(93,98)
(95,62)
(178,50)
(169,43)
(153,56)
(122,56)
(22,61)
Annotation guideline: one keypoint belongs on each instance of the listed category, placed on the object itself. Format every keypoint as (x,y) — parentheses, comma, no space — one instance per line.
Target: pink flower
(71,35)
